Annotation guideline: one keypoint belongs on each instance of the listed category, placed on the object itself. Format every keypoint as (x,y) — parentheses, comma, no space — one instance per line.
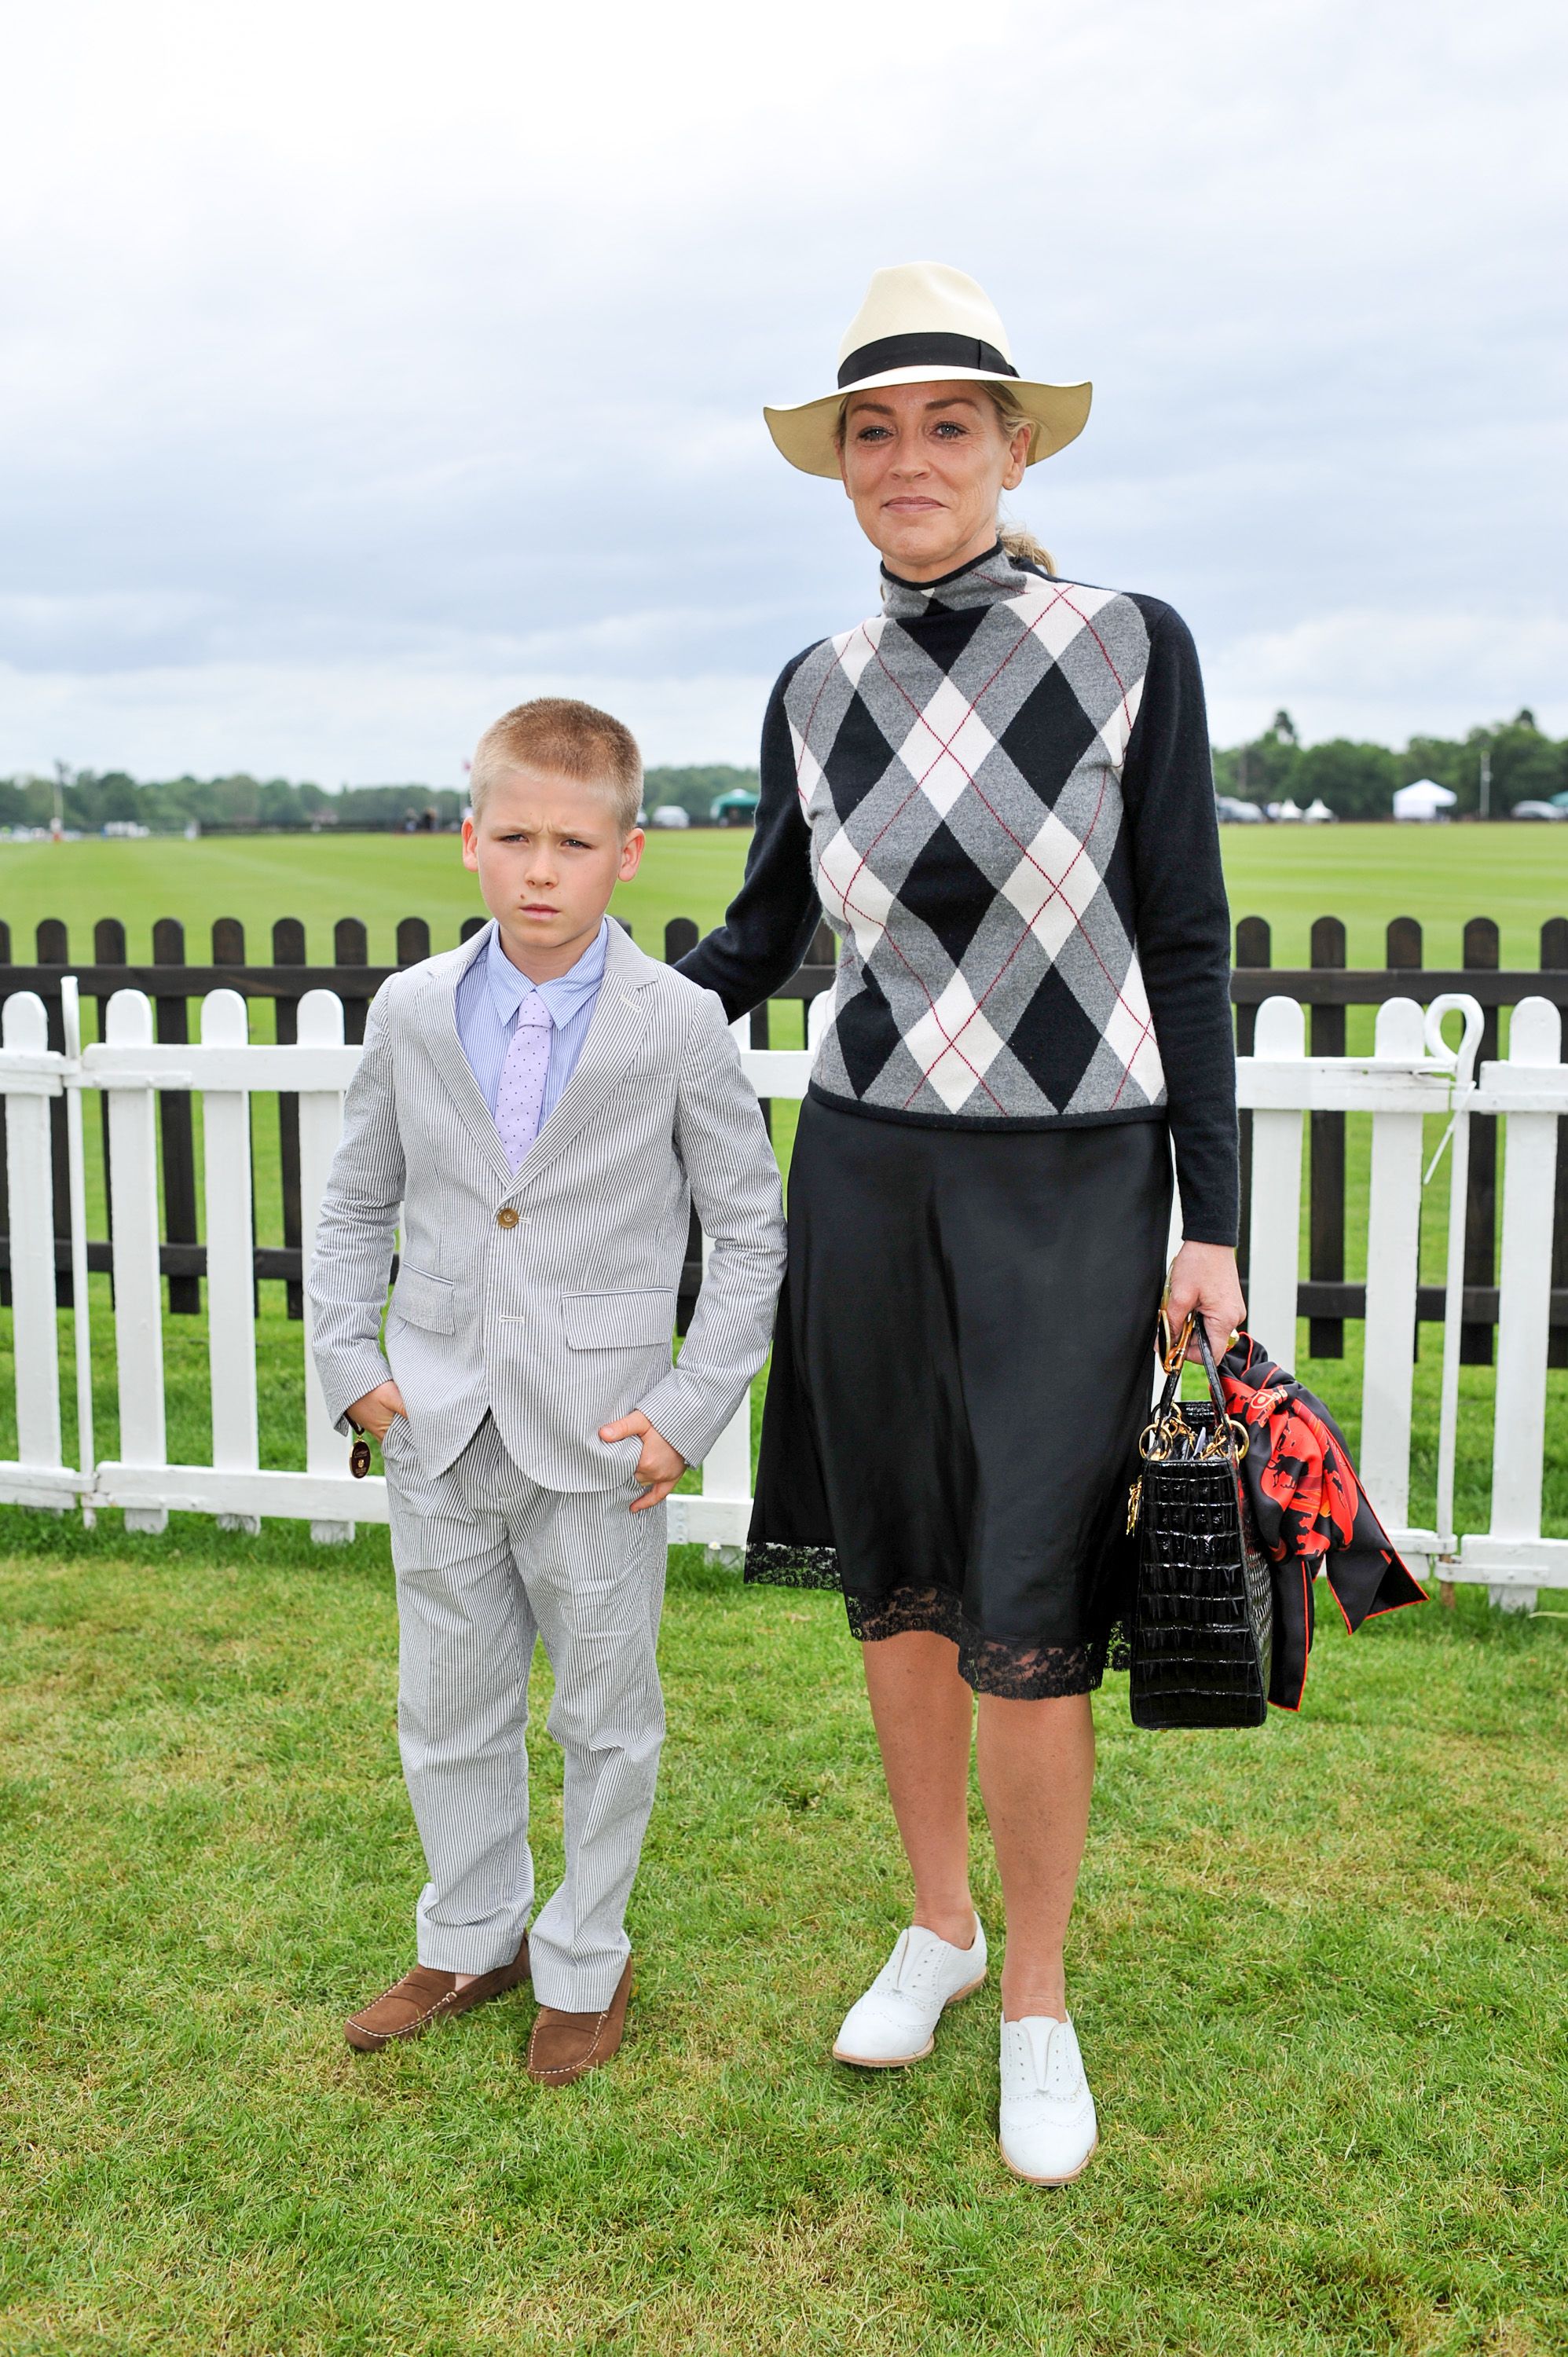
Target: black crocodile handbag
(1203,1619)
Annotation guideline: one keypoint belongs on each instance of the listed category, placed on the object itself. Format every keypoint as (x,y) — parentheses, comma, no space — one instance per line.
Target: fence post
(413,940)
(1326,1336)
(1554,959)
(54,948)
(27,1169)
(288,948)
(139,1298)
(1252,949)
(172,1019)
(108,949)
(229,949)
(5,1190)
(1403,954)
(349,947)
(320,1122)
(1481,952)
(1393,1243)
(1524,1309)
(230,1256)
(1274,1225)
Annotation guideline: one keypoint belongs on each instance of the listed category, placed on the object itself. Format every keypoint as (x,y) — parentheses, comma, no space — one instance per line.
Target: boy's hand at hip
(660,1467)
(374,1412)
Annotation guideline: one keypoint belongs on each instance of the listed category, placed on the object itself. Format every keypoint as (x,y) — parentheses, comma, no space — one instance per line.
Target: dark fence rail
(172,983)
(1328,987)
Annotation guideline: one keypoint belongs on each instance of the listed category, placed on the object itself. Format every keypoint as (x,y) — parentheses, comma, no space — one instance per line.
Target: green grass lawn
(319,877)
(1320,1972)
(1442,876)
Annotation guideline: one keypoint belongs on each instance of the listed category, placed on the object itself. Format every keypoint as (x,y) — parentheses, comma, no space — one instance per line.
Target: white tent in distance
(1423,800)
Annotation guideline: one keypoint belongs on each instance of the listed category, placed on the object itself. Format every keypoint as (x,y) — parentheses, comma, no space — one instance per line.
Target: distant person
(544,1102)
(998,789)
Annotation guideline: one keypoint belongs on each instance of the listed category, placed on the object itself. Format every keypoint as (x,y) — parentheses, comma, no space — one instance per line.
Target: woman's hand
(1203,1278)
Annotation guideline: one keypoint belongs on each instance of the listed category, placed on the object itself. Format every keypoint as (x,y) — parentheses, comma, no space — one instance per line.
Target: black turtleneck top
(999,792)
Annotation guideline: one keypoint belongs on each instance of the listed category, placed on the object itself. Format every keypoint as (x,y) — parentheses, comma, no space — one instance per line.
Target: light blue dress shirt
(488,996)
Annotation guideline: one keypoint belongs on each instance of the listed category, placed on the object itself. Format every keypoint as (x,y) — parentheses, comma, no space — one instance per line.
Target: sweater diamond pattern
(959,762)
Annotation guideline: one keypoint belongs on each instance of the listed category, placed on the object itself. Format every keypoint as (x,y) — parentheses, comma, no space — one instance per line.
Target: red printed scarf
(1311,1512)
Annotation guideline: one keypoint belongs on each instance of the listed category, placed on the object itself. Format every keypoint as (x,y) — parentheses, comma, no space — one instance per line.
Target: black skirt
(961,1367)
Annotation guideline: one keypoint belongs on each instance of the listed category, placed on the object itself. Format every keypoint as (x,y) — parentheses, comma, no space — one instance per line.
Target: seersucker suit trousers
(487,1561)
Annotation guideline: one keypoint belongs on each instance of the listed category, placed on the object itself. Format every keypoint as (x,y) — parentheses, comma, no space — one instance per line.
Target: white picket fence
(1412,1073)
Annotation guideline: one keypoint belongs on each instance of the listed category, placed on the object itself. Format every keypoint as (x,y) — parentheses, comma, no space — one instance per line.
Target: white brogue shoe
(895,2020)
(1048,2129)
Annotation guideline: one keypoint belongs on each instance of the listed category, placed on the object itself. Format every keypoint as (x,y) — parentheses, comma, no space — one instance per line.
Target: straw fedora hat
(922,323)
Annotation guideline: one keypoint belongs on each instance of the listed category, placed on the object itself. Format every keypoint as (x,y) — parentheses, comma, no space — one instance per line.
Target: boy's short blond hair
(571,741)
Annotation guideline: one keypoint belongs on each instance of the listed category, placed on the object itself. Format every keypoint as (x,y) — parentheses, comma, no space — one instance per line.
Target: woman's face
(924,466)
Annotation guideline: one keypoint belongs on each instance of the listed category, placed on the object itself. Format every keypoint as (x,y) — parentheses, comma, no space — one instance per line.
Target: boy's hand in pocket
(660,1467)
(374,1412)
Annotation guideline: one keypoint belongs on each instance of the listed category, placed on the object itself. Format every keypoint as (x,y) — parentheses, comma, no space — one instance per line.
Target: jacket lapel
(438,1029)
(615,1034)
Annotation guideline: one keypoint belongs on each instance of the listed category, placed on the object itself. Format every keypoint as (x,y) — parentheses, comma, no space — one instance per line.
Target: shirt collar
(984,581)
(562,998)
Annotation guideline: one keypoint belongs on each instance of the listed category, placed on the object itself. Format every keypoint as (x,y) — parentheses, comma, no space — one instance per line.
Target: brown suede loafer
(424,1996)
(564,2045)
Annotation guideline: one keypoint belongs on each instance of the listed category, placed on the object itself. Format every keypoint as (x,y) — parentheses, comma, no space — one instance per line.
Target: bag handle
(1173,1358)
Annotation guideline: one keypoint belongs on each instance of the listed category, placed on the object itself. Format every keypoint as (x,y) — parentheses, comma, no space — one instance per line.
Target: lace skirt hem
(1016,1670)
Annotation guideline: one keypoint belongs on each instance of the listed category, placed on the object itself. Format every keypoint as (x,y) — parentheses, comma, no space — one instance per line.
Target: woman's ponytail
(1025,549)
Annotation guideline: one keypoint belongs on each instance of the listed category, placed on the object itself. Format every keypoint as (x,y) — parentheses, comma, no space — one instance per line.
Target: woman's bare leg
(1037,1771)
(923,1713)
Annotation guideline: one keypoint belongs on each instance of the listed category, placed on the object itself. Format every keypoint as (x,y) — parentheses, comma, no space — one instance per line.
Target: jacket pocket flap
(424,1300)
(618,1321)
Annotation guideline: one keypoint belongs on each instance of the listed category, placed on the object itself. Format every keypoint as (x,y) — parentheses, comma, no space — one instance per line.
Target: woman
(999,791)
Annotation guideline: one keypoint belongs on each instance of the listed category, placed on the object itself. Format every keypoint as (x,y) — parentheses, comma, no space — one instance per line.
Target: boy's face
(548,853)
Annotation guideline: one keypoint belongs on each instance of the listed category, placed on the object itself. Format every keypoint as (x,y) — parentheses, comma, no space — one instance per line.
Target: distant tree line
(696,790)
(94,800)
(1359,780)
(1356,781)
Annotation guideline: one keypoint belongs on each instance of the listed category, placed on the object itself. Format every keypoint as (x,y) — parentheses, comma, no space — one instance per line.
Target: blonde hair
(1018,541)
(571,741)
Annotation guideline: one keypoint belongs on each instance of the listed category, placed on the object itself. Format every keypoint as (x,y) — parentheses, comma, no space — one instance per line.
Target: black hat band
(920,351)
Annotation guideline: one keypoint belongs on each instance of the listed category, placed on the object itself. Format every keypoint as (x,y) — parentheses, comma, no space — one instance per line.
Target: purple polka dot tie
(521,1092)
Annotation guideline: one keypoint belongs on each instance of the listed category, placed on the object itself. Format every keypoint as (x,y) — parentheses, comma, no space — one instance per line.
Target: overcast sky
(368,368)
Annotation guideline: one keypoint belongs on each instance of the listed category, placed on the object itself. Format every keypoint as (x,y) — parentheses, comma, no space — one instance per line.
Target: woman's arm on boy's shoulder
(350,1266)
(729,1163)
(769,925)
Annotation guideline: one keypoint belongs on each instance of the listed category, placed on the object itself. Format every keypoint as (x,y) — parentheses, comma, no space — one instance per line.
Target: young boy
(544,1103)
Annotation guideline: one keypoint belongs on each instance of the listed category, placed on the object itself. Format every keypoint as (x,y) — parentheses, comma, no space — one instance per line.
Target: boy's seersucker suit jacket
(559,1318)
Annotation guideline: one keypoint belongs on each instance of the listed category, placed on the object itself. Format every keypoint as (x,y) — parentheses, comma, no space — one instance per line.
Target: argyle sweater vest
(999,792)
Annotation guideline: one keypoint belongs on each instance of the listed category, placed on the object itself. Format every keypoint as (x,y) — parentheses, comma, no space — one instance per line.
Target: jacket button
(507,1216)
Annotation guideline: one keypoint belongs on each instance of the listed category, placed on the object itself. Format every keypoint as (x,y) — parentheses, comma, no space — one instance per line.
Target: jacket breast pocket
(420,1299)
(618,1321)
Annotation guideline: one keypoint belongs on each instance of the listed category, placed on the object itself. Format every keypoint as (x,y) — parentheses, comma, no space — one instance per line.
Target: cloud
(356,351)
(362,723)
(1353,674)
